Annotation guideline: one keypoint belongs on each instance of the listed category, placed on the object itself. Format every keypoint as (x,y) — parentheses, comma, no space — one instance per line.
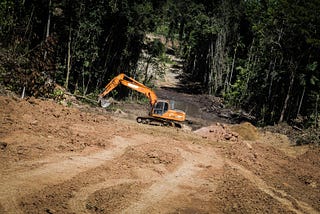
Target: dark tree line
(260,55)
(80,44)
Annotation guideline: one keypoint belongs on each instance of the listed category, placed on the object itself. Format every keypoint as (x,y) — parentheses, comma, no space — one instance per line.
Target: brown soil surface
(57,159)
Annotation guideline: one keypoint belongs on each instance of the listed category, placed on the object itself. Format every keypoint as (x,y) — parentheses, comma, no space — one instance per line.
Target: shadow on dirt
(205,109)
(186,84)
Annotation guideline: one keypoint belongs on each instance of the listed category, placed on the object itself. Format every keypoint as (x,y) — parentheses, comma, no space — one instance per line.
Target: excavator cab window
(160,108)
(166,106)
(172,104)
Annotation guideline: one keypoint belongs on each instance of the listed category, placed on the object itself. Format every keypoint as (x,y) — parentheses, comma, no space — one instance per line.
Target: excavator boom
(131,83)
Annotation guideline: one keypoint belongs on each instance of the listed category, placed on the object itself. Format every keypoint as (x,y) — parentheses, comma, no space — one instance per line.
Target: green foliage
(238,89)
(162,29)
(19,74)
(253,48)
(249,51)
(280,47)
(58,94)
(156,48)
(310,136)
(7,21)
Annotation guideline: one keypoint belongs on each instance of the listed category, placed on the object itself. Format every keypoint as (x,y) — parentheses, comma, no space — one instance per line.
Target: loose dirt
(58,159)
(80,159)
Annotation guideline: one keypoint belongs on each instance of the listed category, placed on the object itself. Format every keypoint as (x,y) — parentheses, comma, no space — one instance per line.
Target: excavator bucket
(104,102)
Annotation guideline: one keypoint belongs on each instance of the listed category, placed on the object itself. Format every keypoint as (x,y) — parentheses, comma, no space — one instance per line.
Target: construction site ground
(57,158)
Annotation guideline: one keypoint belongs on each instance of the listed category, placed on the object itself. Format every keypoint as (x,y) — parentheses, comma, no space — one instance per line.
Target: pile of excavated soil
(246,131)
(223,132)
(34,128)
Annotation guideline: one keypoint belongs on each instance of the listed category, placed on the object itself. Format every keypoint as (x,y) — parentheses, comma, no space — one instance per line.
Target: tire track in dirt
(169,185)
(79,202)
(54,172)
(279,195)
(195,159)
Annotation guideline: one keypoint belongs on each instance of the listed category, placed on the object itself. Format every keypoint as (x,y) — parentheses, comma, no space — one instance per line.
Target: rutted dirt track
(57,159)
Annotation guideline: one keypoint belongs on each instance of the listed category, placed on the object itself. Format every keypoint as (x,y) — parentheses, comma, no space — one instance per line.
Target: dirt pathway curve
(161,188)
(64,167)
(79,202)
(286,200)
(169,185)
(55,171)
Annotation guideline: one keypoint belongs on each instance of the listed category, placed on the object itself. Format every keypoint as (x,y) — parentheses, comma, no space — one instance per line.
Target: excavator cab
(164,109)
(160,107)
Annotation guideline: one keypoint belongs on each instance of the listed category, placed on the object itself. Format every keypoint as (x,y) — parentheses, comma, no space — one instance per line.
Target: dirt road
(57,159)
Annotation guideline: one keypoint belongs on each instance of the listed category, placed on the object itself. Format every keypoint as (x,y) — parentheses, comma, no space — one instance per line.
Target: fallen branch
(297,128)
(82,97)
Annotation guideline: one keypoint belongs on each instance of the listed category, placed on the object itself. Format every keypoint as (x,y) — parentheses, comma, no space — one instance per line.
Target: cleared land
(56,159)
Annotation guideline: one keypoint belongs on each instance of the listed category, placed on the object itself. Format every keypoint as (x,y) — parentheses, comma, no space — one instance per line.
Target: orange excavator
(162,111)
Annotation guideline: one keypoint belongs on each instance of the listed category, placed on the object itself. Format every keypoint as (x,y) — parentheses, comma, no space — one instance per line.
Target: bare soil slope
(56,159)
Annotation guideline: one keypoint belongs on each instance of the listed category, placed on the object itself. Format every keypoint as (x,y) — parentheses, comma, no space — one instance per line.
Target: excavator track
(158,122)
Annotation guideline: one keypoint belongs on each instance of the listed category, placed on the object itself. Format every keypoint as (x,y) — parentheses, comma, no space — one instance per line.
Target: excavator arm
(131,83)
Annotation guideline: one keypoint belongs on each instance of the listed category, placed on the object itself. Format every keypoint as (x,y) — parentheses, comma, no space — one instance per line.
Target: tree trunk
(232,68)
(300,103)
(83,80)
(316,117)
(68,58)
(146,70)
(194,65)
(272,67)
(87,86)
(211,69)
(48,28)
(287,98)
(218,62)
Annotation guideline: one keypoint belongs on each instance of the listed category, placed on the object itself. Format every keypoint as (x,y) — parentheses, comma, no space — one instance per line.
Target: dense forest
(259,55)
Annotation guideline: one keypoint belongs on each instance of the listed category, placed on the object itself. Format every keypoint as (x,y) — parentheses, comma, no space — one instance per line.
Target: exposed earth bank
(58,159)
